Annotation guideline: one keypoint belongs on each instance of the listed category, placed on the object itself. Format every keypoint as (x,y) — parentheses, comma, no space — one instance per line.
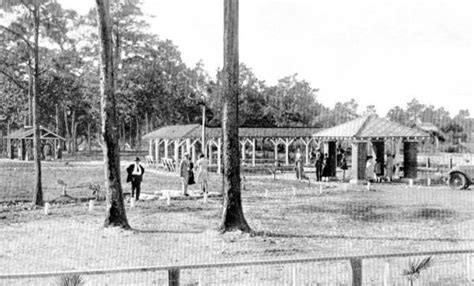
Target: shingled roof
(194,131)
(371,127)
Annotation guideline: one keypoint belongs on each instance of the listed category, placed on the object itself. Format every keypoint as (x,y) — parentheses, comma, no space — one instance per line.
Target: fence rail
(174,270)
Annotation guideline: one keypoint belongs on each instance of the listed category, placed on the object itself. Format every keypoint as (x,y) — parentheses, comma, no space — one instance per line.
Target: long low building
(367,135)
(188,138)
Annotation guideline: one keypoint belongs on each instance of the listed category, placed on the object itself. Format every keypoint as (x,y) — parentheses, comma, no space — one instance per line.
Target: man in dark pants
(135,175)
(319,165)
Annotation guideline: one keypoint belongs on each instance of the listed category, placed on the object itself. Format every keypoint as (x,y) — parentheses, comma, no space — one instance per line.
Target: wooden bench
(168,164)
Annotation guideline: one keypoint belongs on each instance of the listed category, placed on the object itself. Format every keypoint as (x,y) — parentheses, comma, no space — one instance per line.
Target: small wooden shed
(20,143)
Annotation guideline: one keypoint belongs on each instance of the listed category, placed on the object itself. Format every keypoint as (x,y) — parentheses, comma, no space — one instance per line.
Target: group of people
(186,172)
(375,169)
(136,170)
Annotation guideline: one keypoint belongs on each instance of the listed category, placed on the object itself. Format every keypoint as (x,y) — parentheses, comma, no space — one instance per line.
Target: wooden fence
(356,263)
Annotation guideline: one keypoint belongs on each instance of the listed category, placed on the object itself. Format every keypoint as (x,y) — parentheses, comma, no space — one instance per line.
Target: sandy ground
(294,219)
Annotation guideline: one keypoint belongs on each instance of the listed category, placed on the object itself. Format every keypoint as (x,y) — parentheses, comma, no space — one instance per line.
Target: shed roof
(371,127)
(27,133)
(194,131)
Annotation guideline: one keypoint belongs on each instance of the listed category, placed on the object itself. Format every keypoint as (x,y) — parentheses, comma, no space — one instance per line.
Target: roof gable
(371,127)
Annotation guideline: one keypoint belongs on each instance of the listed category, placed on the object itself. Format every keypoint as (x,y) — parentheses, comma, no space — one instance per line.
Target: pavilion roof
(27,133)
(371,127)
(194,131)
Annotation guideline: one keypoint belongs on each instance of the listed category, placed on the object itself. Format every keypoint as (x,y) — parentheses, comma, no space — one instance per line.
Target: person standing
(378,169)
(135,175)
(369,169)
(319,166)
(298,165)
(184,174)
(325,168)
(202,164)
(343,166)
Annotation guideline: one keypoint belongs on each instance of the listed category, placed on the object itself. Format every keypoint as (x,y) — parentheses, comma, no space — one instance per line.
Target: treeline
(452,129)
(154,87)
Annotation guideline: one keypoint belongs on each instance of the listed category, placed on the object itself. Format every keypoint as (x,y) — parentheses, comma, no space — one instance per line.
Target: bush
(71,280)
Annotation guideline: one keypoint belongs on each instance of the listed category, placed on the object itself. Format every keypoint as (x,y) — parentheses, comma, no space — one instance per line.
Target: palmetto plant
(415,267)
(71,280)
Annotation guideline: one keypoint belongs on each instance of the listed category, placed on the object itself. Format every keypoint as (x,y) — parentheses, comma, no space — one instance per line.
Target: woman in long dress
(370,174)
(202,165)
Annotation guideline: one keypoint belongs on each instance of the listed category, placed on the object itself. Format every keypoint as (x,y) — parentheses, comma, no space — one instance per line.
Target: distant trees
(458,127)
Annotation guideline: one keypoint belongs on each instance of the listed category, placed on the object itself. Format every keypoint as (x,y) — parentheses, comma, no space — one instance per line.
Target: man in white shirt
(135,175)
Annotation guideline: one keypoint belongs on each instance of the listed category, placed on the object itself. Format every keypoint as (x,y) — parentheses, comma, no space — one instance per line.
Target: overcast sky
(381,52)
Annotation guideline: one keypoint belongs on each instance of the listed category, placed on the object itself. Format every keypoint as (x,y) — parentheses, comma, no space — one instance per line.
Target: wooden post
(157,150)
(306,144)
(275,144)
(209,152)
(287,152)
(386,274)
(253,152)
(173,277)
(193,153)
(166,142)
(243,142)
(176,153)
(356,265)
(188,145)
(150,148)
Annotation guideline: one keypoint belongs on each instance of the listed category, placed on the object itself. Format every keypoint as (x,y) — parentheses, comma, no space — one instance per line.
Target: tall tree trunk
(38,190)
(30,87)
(130,134)
(146,123)
(73,133)
(137,139)
(115,209)
(57,120)
(232,216)
(89,141)
(68,132)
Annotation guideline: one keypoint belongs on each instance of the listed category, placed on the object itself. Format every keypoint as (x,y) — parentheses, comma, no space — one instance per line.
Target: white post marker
(428,182)
(320,189)
(204,200)
(368,186)
(46,208)
(294,192)
(132,202)
(410,183)
(168,198)
(91,205)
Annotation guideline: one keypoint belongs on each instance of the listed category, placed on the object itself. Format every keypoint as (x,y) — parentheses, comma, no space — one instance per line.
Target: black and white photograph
(237,142)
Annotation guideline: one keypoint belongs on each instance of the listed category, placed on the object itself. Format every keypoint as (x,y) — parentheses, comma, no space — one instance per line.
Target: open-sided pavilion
(21,141)
(370,135)
(188,138)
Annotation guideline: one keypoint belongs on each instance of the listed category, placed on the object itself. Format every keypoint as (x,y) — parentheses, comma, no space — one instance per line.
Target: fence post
(173,277)
(296,274)
(468,267)
(386,274)
(356,264)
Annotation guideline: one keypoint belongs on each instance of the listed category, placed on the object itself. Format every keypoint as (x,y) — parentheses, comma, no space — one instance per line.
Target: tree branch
(20,36)
(12,79)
